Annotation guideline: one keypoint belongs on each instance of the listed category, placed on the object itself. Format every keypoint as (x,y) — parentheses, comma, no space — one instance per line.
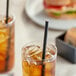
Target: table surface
(27,31)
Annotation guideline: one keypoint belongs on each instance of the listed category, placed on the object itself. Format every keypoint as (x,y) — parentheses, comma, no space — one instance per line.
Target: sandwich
(64,9)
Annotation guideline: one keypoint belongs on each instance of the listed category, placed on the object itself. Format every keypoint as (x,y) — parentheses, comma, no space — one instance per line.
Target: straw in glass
(44,48)
(9,39)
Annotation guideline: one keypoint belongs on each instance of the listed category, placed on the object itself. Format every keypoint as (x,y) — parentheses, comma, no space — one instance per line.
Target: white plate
(35,10)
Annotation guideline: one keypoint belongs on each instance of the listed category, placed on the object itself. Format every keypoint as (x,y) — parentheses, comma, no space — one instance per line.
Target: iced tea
(6,45)
(32,60)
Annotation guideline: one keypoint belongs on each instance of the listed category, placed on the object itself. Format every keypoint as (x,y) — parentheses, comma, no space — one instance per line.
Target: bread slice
(70,36)
(57,2)
(63,16)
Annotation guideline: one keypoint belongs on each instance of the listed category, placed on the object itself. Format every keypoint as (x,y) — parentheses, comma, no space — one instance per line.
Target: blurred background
(27,30)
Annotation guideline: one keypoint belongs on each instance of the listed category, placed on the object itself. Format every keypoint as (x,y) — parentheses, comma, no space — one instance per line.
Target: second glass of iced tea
(32,59)
(6,45)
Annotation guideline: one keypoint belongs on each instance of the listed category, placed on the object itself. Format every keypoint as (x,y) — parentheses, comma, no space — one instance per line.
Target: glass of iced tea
(32,59)
(6,45)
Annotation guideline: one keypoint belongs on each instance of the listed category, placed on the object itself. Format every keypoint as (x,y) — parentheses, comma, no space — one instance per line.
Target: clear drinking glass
(6,45)
(32,59)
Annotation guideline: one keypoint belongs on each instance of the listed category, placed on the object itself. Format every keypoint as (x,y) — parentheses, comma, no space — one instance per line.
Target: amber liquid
(6,48)
(32,65)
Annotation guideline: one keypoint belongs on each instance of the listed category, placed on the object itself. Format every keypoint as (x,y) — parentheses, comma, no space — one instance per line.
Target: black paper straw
(9,39)
(44,48)
(7,11)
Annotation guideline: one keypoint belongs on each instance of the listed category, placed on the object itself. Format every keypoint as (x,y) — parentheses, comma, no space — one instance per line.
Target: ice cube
(37,51)
(48,53)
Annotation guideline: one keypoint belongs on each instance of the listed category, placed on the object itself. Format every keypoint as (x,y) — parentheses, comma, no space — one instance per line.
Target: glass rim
(44,60)
(11,22)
